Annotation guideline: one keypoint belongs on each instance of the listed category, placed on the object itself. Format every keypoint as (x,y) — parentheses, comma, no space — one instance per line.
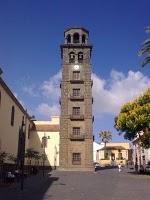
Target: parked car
(147,169)
(97,166)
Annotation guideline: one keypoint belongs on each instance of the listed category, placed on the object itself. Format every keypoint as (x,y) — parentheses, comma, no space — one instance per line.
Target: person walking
(119,167)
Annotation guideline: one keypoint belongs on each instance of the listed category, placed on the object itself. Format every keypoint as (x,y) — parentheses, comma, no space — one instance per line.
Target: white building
(96,147)
(50,131)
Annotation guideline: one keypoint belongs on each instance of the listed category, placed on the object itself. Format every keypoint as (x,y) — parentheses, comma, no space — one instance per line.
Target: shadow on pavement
(105,168)
(33,189)
(139,173)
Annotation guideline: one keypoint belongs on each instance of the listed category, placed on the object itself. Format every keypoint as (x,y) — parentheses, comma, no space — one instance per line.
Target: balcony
(77,117)
(76,81)
(76,98)
(77,137)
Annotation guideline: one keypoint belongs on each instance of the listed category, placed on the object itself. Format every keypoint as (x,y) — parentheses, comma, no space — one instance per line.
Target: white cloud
(51,88)
(47,110)
(31,90)
(110,94)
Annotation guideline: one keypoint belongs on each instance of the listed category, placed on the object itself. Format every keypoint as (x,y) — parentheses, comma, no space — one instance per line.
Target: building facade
(12,116)
(48,130)
(115,153)
(76,139)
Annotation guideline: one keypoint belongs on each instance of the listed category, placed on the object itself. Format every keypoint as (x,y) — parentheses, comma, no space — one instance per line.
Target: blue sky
(32,30)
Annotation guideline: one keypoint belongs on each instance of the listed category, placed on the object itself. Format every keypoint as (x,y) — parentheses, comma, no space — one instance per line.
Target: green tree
(145,49)
(134,118)
(3,156)
(12,158)
(37,156)
(105,136)
(30,154)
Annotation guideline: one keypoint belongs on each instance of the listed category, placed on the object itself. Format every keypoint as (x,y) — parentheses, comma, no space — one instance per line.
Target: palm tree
(145,49)
(105,136)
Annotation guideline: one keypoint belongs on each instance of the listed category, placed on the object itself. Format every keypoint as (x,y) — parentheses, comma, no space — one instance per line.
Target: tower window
(76,92)
(76,75)
(76,158)
(83,39)
(12,115)
(80,57)
(76,130)
(68,38)
(76,111)
(71,57)
(76,38)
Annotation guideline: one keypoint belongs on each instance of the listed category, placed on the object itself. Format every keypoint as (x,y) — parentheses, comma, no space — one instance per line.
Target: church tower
(76,137)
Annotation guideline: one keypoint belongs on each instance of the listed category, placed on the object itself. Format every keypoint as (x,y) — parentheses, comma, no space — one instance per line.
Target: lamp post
(44,145)
(21,151)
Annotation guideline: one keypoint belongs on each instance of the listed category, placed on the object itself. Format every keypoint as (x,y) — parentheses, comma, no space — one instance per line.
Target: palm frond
(143,50)
(146,61)
(146,42)
(147,29)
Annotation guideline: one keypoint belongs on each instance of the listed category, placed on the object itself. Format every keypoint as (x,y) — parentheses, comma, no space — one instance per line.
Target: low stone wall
(110,162)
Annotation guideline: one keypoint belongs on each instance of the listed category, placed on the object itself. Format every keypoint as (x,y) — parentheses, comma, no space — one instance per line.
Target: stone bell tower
(76,137)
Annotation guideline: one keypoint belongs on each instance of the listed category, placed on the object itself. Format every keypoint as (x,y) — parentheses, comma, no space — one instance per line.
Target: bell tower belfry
(76,137)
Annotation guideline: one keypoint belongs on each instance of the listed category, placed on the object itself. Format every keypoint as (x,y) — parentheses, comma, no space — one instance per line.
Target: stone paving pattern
(106,184)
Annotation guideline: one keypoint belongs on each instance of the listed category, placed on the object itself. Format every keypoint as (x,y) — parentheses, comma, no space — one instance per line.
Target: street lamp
(21,150)
(44,145)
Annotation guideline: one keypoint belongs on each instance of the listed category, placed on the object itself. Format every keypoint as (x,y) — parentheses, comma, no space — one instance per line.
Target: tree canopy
(134,117)
(145,49)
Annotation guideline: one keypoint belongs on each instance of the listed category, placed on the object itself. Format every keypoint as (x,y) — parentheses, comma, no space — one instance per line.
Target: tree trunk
(105,151)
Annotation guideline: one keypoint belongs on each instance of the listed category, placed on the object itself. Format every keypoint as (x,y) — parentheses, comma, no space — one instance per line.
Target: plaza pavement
(106,184)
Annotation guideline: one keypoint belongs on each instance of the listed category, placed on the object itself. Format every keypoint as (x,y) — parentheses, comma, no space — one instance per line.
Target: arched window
(71,57)
(76,38)
(80,57)
(68,38)
(83,38)
(12,115)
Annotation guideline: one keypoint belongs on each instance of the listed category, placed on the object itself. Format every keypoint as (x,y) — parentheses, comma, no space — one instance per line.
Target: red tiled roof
(45,127)
(113,148)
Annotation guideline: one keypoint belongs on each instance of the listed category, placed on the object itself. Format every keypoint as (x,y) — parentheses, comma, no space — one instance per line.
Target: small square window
(76,111)
(76,158)
(76,92)
(76,75)
(76,130)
